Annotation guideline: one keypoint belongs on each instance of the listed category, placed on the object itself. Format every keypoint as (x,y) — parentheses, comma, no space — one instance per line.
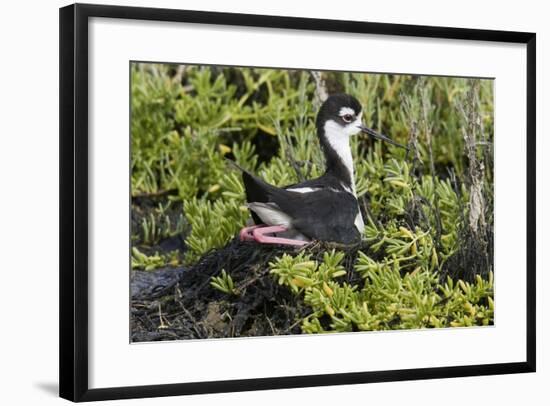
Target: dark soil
(184,305)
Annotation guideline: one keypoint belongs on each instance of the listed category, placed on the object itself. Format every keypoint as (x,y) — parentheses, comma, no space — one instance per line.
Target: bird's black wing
(325,215)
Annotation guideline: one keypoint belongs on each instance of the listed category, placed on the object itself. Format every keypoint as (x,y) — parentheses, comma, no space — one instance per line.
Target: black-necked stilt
(324,209)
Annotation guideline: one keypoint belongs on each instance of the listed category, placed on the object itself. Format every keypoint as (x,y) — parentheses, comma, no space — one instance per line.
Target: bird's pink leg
(261,235)
(246,233)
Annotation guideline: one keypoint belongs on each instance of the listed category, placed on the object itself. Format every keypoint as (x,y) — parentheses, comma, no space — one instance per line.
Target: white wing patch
(304,189)
(316,189)
(271,214)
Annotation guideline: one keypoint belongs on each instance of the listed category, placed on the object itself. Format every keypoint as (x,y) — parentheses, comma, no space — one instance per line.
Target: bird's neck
(339,160)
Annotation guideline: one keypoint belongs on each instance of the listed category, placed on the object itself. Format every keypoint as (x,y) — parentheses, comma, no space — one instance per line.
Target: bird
(322,209)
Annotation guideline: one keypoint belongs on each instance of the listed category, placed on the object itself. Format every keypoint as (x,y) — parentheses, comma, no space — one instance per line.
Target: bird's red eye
(347,118)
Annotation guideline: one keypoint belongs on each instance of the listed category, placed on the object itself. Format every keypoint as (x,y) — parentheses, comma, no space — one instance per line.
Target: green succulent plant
(386,298)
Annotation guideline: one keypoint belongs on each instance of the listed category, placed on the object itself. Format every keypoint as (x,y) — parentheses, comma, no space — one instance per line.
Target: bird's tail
(235,165)
(255,188)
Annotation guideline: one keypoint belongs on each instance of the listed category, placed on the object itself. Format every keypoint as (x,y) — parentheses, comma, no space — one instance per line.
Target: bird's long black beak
(381,137)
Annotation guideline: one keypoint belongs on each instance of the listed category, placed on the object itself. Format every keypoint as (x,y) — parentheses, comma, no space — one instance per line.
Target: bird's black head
(343,111)
(340,116)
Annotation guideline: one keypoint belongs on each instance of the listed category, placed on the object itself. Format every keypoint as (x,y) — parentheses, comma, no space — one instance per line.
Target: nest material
(180,303)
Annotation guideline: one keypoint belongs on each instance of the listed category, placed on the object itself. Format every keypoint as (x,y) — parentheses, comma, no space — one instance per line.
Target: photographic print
(246,208)
(270,202)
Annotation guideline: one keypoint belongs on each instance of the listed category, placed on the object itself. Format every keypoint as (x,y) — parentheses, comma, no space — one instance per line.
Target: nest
(179,303)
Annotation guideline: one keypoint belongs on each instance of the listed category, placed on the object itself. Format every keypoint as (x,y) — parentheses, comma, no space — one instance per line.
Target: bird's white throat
(338,138)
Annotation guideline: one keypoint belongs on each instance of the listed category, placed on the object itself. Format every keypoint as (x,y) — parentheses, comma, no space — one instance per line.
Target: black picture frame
(73,300)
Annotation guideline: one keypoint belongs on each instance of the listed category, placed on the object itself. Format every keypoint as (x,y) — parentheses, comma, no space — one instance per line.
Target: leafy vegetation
(224,283)
(386,298)
(426,256)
